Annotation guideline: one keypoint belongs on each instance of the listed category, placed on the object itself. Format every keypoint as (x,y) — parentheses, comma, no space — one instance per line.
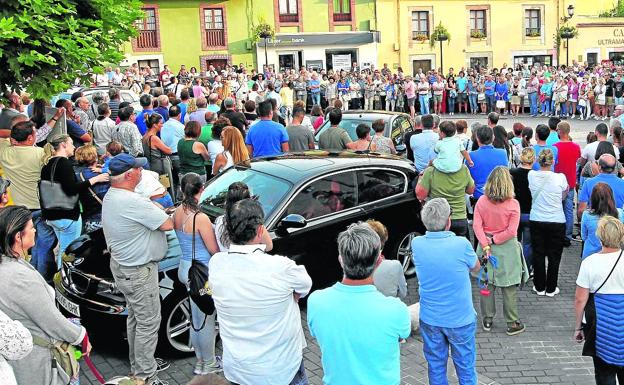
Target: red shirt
(569,153)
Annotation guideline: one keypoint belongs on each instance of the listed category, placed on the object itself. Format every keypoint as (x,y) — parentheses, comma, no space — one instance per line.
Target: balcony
(342,17)
(215,38)
(532,32)
(147,39)
(289,18)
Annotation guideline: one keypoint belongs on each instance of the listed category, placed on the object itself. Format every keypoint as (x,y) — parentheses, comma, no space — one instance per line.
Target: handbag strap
(193,238)
(611,272)
(93,194)
(53,171)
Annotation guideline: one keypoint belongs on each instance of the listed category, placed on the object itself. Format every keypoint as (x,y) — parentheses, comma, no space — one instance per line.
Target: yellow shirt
(287,96)
(22,166)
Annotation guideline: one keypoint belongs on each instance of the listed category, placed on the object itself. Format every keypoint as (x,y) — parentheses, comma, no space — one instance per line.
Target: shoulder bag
(52,196)
(199,290)
(589,327)
(64,363)
(93,194)
(163,178)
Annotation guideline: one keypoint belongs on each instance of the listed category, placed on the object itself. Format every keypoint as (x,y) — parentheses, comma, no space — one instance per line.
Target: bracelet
(54,119)
(486,248)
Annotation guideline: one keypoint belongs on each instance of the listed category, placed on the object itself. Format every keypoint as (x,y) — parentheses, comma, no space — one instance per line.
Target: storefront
(597,42)
(332,50)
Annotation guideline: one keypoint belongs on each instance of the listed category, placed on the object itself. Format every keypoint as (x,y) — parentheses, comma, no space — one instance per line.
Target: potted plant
(568,32)
(440,33)
(534,33)
(477,34)
(262,30)
(421,37)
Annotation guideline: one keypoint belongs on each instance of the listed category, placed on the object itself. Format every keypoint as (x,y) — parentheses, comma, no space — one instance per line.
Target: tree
(46,44)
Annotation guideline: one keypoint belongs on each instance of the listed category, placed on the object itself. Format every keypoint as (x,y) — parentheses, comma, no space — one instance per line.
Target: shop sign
(341,62)
(617,38)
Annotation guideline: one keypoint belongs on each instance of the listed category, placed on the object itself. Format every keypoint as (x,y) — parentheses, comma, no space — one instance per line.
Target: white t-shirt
(547,190)
(589,151)
(595,269)
(215,147)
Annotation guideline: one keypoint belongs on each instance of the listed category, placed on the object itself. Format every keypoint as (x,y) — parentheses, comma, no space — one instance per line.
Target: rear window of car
(350,125)
(267,189)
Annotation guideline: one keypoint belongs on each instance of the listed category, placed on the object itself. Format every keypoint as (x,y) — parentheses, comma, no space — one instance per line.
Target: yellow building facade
(495,33)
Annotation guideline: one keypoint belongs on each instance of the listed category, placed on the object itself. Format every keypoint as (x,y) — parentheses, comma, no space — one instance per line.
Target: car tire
(174,337)
(402,252)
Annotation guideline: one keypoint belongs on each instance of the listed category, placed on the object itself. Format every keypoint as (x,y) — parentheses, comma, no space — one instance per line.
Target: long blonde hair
(233,142)
(192,106)
(499,186)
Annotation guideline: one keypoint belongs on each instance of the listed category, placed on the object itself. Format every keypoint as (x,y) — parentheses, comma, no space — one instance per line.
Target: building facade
(318,33)
(495,33)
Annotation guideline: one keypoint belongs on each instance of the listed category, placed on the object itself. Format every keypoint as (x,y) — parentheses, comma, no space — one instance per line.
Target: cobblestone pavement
(544,354)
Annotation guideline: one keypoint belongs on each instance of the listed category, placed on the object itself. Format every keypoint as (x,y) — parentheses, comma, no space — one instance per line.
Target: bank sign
(346,39)
(617,38)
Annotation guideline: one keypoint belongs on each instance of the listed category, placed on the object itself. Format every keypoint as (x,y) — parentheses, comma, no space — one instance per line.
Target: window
(153,64)
(288,12)
(479,62)
(374,185)
(477,23)
(325,196)
(148,30)
(420,25)
(532,23)
(342,10)
(214,27)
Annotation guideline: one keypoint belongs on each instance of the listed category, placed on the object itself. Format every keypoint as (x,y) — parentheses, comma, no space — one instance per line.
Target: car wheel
(175,326)
(404,254)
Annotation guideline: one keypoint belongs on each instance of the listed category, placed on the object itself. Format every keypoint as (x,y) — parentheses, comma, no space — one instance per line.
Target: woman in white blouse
(15,344)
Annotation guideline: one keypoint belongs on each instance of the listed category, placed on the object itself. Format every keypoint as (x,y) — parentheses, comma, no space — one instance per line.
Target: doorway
(218,64)
(592,59)
(425,65)
(288,61)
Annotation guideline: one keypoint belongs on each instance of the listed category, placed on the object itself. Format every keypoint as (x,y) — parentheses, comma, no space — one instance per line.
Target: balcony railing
(215,37)
(147,39)
(289,18)
(342,16)
(533,32)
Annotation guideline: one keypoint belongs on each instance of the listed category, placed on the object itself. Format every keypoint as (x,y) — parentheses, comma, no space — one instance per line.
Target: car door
(329,204)
(400,125)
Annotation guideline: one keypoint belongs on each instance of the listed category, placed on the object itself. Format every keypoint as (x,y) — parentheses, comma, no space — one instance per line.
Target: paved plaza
(544,354)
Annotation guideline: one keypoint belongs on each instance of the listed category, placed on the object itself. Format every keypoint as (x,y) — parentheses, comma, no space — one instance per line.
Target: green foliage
(261,30)
(46,44)
(568,30)
(617,11)
(477,34)
(439,30)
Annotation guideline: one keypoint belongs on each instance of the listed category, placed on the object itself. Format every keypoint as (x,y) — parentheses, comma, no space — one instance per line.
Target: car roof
(371,114)
(297,167)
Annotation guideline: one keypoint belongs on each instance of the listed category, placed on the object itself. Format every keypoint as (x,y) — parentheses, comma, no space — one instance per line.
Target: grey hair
(436,120)
(435,214)
(417,121)
(615,123)
(359,247)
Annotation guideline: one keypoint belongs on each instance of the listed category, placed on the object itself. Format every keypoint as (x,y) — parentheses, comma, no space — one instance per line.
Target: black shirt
(64,174)
(237,119)
(520,178)
(406,140)
(609,88)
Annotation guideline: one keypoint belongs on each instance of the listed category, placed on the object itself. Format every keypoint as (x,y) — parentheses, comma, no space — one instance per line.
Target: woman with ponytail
(192,225)
(154,148)
(28,299)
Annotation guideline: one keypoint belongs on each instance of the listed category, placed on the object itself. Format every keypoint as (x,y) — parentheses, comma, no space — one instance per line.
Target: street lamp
(265,36)
(441,38)
(567,35)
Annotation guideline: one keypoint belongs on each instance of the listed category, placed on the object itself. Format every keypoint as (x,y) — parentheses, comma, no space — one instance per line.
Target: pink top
(318,122)
(497,219)
(410,90)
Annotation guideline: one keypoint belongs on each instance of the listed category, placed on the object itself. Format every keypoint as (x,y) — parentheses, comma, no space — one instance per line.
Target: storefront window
(616,58)
(533,59)
(478,62)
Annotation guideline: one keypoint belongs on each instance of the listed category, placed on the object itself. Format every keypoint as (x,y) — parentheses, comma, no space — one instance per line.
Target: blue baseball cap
(124,162)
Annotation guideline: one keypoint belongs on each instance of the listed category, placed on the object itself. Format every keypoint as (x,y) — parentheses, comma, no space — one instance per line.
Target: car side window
(399,126)
(374,185)
(127,97)
(325,196)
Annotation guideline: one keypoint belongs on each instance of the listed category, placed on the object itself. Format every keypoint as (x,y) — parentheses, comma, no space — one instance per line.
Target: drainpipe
(398,29)
(558,26)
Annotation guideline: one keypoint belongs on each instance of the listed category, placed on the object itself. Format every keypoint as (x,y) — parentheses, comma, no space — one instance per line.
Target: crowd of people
(496,204)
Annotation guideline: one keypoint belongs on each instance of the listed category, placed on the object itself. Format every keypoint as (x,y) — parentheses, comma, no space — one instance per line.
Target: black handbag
(199,291)
(52,196)
(589,327)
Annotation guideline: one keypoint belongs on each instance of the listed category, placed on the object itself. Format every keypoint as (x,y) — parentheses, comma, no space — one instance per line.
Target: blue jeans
(546,106)
(524,236)
(451,105)
(568,210)
(316,98)
(533,103)
(66,231)
(472,99)
(463,352)
(43,250)
(424,104)
(203,339)
(491,102)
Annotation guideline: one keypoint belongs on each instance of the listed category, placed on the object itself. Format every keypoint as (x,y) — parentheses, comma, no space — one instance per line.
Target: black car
(397,124)
(308,198)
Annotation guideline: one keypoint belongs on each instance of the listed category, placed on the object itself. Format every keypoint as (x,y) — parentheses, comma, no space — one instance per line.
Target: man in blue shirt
(447,316)
(358,328)
(490,94)
(146,102)
(485,159)
(542,133)
(462,97)
(266,137)
(607,163)
(553,135)
(422,144)
(315,90)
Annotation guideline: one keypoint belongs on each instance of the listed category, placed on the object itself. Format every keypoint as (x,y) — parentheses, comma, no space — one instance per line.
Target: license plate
(67,304)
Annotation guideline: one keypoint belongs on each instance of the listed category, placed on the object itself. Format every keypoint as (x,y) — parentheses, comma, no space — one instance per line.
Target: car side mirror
(292,221)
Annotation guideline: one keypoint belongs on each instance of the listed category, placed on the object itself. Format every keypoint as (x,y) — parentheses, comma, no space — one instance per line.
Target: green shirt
(206,134)
(190,161)
(451,187)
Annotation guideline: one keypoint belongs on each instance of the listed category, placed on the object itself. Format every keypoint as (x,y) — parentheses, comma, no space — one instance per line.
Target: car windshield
(268,189)
(348,125)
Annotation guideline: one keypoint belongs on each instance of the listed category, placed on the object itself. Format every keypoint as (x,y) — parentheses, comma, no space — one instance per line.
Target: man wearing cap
(135,233)
(237,118)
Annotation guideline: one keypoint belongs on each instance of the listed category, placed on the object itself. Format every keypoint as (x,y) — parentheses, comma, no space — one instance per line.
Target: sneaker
(539,292)
(199,366)
(162,364)
(554,293)
(567,243)
(154,380)
(487,324)
(211,367)
(515,328)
